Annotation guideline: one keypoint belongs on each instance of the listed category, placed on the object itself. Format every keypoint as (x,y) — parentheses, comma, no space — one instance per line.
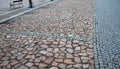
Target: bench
(16,2)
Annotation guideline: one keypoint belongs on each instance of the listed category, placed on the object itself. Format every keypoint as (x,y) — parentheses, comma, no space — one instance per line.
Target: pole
(30,4)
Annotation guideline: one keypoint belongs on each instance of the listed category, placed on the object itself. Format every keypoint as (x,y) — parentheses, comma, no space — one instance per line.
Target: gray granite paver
(107,39)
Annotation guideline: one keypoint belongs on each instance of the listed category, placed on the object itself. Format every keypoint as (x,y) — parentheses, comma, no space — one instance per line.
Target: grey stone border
(95,41)
(97,52)
(37,34)
(96,45)
(27,10)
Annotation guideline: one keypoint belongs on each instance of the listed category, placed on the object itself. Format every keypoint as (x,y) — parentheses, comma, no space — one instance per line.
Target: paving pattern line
(97,53)
(98,60)
(37,34)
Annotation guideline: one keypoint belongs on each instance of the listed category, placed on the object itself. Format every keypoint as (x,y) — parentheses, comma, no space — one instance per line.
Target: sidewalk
(6,13)
(56,36)
(5,7)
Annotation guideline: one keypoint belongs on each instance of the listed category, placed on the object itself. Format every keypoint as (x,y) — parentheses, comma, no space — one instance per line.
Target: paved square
(63,18)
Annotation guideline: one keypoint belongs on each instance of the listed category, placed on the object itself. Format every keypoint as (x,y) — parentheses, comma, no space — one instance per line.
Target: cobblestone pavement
(21,52)
(64,18)
(107,23)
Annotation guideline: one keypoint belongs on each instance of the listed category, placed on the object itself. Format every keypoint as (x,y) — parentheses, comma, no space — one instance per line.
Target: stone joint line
(71,37)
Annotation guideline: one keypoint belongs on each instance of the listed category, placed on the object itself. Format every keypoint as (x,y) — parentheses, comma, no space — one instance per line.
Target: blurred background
(5,5)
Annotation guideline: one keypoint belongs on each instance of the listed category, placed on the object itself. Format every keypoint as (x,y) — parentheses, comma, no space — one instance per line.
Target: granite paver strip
(64,17)
(107,34)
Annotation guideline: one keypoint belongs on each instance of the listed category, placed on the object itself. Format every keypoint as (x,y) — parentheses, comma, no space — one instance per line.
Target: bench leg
(11,6)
